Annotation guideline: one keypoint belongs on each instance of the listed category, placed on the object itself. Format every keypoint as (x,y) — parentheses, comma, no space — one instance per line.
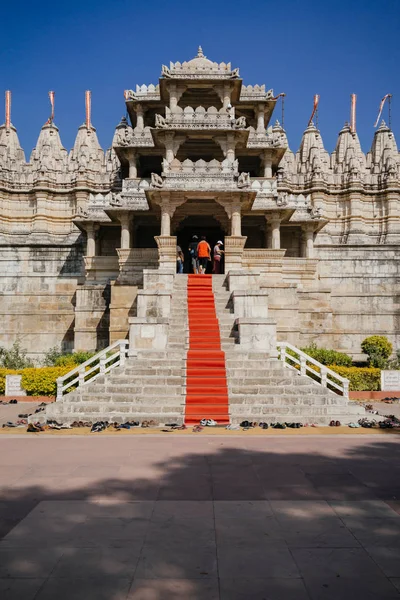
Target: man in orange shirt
(204,254)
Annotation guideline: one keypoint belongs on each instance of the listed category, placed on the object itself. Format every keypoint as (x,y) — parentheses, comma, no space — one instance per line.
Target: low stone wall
(47,399)
(373,395)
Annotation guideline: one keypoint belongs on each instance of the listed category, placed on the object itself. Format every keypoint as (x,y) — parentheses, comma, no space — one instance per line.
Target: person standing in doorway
(193,254)
(204,254)
(179,259)
(217,256)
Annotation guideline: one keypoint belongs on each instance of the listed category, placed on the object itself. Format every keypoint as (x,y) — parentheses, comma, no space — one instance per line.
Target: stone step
(127,398)
(291,413)
(276,399)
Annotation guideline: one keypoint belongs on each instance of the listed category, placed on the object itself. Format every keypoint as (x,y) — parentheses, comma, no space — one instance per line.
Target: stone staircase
(153,384)
(264,389)
(150,386)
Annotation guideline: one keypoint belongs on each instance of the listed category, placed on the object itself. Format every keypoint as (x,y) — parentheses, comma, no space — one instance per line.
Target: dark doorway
(207,226)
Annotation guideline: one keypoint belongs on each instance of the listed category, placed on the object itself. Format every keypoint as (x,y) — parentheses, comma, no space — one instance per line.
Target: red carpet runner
(206,386)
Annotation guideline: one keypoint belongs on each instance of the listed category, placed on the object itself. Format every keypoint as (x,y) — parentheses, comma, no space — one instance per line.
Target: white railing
(100,364)
(305,365)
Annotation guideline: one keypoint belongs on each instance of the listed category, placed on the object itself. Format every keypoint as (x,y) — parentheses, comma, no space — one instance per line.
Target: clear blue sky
(299,47)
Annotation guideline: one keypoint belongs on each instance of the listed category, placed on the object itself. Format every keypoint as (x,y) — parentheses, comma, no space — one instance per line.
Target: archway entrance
(202,225)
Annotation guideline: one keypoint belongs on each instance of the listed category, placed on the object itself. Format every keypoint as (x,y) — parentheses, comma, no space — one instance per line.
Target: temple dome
(200,61)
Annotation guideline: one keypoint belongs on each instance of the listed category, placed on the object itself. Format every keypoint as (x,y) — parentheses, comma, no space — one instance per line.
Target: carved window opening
(145,228)
(250,164)
(109,238)
(253,227)
(196,149)
(291,240)
(148,165)
(198,96)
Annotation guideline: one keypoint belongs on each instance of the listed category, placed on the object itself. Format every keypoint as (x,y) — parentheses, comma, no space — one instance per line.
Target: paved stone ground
(200,518)
(10,412)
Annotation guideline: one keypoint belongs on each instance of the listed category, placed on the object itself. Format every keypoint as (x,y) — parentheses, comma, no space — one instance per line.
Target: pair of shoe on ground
(208,423)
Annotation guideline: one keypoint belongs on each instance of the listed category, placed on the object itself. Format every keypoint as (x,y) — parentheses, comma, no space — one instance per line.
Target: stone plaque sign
(390,381)
(13,386)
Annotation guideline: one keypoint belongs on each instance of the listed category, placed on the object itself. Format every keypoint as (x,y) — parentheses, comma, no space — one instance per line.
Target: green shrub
(37,382)
(56,358)
(361,378)
(15,358)
(328,357)
(376,346)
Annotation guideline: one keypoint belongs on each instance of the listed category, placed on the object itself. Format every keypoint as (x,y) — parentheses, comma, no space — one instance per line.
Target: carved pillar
(140,117)
(133,165)
(91,229)
(230,147)
(267,233)
(266,157)
(275,232)
(260,118)
(226,95)
(173,96)
(126,222)
(169,147)
(308,246)
(165,220)
(236,219)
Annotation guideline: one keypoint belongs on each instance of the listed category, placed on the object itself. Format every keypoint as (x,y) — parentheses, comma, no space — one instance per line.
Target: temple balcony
(142,93)
(256,93)
(198,118)
(127,137)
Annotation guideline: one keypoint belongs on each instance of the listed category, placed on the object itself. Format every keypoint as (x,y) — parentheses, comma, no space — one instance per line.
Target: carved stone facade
(320,232)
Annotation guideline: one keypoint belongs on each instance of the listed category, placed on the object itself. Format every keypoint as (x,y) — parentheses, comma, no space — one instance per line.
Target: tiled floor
(193,518)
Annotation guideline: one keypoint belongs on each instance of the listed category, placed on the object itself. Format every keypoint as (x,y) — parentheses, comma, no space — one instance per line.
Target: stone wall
(37,298)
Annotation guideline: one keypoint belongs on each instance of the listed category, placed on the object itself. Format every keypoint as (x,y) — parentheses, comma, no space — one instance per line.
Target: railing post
(59,390)
(303,364)
(122,353)
(282,353)
(324,377)
(102,363)
(81,375)
(346,389)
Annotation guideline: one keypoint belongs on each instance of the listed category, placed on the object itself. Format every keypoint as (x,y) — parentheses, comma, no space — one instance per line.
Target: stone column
(169,147)
(267,233)
(125,220)
(275,232)
(226,95)
(140,117)
(132,166)
(165,219)
(91,239)
(260,119)
(230,147)
(236,220)
(309,240)
(173,96)
(267,164)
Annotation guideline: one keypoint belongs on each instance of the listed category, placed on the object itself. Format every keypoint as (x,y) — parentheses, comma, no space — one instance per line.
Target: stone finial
(200,53)
(88,108)
(11,153)
(8,109)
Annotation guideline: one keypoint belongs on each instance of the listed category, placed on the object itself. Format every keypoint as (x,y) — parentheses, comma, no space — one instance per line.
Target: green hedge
(36,382)
(362,379)
(328,357)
